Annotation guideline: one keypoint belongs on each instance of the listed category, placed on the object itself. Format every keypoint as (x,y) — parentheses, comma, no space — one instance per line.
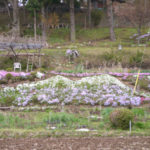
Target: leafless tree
(72,21)
(89,13)
(111,19)
(16,20)
(136,12)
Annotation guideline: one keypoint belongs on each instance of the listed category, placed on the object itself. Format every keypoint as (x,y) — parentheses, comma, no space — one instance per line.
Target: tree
(89,13)
(16,20)
(4,3)
(111,19)
(72,21)
(33,6)
(110,14)
(44,5)
(136,12)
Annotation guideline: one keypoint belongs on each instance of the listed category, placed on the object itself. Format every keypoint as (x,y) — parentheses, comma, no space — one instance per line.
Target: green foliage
(96,16)
(136,59)
(7,100)
(138,111)
(33,5)
(143,84)
(7,63)
(106,112)
(33,74)
(112,57)
(140,125)
(61,118)
(8,69)
(61,84)
(10,121)
(121,117)
(31,78)
(9,76)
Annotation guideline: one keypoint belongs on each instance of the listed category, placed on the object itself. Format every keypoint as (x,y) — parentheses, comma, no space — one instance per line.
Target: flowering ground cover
(14,74)
(103,90)
(116,74)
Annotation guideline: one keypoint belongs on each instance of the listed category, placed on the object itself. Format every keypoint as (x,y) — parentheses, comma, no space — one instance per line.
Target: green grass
(37,124)
(99,35)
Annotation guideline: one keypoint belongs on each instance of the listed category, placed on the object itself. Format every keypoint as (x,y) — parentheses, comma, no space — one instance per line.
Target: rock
(83,130)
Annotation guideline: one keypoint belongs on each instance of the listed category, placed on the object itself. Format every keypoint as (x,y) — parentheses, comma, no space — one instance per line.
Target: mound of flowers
(131,77)
(104,90)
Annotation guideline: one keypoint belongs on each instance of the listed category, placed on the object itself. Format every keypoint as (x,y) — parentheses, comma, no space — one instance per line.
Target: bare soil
(87,143)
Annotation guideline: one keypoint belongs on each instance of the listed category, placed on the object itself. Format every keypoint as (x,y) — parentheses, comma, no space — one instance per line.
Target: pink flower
(142,99)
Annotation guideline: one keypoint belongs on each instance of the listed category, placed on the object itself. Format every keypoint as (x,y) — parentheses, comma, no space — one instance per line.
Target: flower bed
(104,90)
(14,74)
(131,77)
(123,75)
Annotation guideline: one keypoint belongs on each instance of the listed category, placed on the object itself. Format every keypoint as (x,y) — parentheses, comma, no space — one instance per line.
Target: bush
(9,76)
(31,78)
(33,74)
(143,84)
(136,60)
(140,125)
(120,118)
(7,101)
(9,69)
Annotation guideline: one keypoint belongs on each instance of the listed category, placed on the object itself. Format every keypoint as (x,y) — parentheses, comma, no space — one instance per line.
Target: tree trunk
(24,12)
(72,21)
(16,22)
(139,32)
(35,34)
(85,21)
(89,13)
(6,5)
(43,25)
(111,19)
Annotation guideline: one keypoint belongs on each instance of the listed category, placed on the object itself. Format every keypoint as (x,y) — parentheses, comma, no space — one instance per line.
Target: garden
(74,75)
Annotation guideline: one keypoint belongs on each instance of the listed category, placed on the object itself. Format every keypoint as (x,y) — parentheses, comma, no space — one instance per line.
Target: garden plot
(103,90)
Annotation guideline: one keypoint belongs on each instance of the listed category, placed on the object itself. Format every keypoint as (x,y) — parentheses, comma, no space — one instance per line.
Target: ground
(86,143)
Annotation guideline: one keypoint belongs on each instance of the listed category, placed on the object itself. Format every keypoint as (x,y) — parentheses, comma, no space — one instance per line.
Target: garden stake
(136,82)
(130,126)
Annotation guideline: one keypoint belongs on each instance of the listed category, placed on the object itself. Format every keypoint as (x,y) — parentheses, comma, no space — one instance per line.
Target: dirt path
(89,143)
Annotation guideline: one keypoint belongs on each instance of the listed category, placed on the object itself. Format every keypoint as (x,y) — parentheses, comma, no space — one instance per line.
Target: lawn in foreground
(69,121)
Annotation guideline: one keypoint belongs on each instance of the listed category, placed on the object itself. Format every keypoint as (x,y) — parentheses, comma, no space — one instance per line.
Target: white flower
(40,75)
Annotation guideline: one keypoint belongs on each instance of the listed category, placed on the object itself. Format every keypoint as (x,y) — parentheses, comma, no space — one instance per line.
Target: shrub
(135,60)
(31,78)
(140,125)
(33,74)
(7,101)
(9,76)
(120,118)
(9,69)
(143,83)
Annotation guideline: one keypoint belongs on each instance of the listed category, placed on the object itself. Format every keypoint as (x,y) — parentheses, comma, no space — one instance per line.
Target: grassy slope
(96,34)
